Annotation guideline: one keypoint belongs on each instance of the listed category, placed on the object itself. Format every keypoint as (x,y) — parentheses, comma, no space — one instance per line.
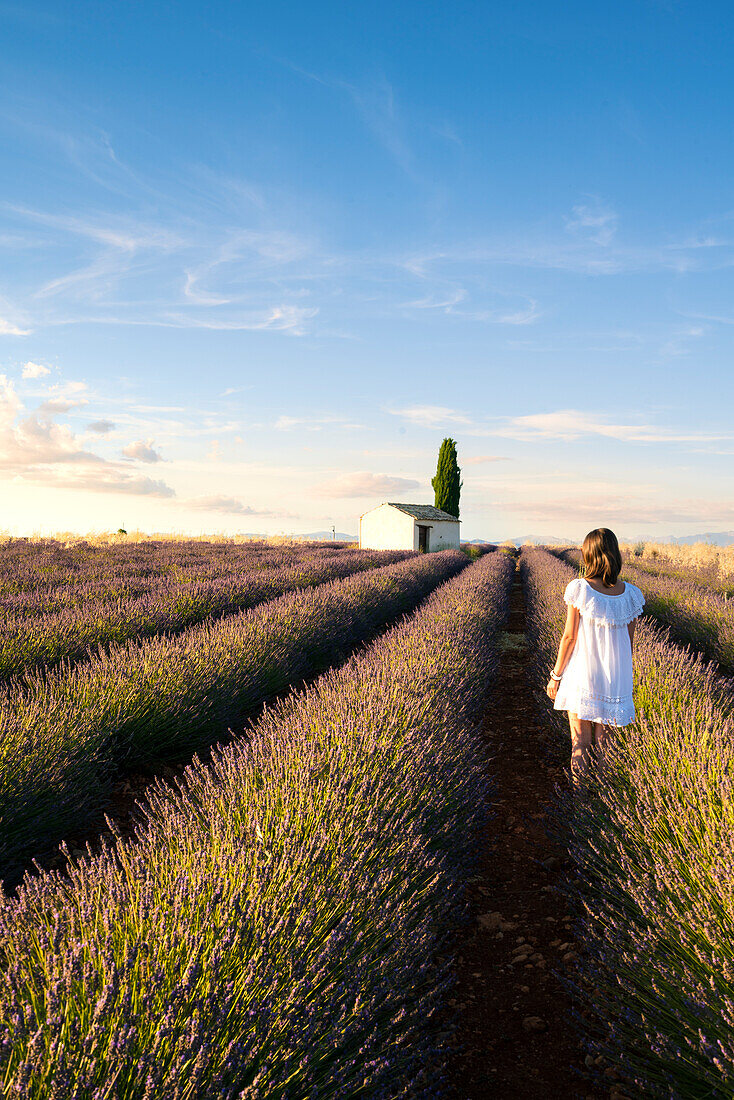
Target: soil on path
(515,1040)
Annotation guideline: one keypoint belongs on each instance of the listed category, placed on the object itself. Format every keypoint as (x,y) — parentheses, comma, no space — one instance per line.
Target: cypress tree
(447,483)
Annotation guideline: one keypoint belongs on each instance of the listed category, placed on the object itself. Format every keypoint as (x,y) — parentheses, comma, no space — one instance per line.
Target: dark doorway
(422,539)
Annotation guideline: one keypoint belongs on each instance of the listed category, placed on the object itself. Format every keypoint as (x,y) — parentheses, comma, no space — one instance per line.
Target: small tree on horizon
(447,484)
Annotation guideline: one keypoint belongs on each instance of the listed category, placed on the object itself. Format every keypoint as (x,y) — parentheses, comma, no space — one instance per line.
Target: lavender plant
(66,734)
(652,836)
(273,929)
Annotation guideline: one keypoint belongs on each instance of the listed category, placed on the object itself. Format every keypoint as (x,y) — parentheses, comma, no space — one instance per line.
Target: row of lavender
(46,569)
(166,603)
(70,732)
(695,614)
(274,929)
(706,576)
(652,835)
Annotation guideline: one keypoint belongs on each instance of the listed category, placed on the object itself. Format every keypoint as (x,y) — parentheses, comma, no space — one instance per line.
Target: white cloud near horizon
(608,509)
(7,328)
(34,370)
(142,450)
(363,483)
(230,505)
(35,447)
(107,479)
(314,423)
(476,460)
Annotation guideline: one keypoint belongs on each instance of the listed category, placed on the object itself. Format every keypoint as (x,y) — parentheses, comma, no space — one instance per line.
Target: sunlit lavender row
(38,628)
(695,614)
(652,835)
(273,930)
(70,732)
(705,576)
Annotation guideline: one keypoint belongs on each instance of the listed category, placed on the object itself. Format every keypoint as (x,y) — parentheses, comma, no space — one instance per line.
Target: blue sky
(258,260)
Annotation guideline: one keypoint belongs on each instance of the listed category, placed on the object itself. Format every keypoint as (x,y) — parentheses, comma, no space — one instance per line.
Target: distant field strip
(47,626)
(273,931)
(47,569)
(68,733)
(653,837)
(695,614)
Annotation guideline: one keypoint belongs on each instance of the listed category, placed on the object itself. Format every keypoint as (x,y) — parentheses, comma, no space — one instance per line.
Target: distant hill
(326,536)
(716,538)
(542,540)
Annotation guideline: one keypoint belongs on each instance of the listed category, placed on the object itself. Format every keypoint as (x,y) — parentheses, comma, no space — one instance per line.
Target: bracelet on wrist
(556,678)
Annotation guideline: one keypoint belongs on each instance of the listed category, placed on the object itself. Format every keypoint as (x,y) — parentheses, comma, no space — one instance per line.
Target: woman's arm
(631,628)
(565,649)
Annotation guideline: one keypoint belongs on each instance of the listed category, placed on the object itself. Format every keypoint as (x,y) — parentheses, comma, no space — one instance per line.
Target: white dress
(597,681)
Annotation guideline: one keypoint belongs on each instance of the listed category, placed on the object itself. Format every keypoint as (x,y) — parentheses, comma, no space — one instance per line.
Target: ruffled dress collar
(614,610)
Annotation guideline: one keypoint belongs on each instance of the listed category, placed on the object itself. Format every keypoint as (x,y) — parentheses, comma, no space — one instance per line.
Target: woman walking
(592,677)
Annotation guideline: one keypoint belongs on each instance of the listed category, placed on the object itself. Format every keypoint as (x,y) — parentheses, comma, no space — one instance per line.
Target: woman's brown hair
(602,559)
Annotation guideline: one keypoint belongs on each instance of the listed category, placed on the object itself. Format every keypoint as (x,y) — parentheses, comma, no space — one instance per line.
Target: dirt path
(514,1024)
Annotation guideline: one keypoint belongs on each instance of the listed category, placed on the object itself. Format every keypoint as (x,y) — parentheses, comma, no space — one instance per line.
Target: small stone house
(408,527)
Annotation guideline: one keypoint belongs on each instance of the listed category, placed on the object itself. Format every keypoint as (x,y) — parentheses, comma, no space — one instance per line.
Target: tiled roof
(424,511)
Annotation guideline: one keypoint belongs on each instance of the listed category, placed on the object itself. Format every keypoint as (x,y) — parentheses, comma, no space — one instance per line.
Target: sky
(258,260)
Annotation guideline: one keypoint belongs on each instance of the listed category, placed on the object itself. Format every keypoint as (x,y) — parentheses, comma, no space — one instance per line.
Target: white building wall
(386,528)
(442,535)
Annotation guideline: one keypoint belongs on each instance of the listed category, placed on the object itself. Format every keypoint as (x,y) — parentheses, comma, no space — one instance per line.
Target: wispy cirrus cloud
(189,269)
(573,424)
(442,302)
(680,342)
(566,425)
(377,106)
(485,306)
(431,416)
(278,319)
(204,274)
(124,234)
(594,220)
(586,242)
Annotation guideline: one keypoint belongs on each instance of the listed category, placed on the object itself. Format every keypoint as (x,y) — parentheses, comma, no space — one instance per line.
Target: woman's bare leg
(602,734)
(582,737)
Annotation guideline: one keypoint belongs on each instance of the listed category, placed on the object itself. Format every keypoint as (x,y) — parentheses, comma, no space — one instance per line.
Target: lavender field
(281,920)
(272,928)
(68,732)
(58,602)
